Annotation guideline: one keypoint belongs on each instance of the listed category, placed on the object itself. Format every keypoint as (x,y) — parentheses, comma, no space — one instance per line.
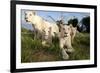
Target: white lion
(65,41)
(73,32)
(52,29)
(40,24)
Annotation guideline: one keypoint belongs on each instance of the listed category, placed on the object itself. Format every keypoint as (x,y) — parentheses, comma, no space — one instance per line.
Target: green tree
(86,22)
(74,22)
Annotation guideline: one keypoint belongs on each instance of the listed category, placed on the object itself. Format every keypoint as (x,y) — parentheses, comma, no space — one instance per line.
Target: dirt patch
(41,56)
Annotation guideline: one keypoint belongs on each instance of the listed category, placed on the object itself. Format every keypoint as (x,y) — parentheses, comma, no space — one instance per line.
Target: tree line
(84,24)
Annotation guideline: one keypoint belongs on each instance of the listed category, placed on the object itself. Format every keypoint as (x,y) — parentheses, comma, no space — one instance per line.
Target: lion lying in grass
(65,41)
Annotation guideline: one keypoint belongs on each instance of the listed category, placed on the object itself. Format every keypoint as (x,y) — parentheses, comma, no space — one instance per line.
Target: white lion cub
(65,41)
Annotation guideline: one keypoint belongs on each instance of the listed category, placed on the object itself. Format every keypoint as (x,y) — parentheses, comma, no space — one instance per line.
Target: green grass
(81,45)
(33,51)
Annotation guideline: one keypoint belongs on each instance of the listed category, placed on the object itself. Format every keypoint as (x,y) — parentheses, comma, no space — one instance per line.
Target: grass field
(33,51)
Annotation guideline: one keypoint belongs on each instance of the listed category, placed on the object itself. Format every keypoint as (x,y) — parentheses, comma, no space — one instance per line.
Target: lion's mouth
(65,36)
(46,37)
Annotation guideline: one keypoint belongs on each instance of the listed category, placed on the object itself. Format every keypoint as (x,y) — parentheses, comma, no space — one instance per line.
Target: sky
(56,15)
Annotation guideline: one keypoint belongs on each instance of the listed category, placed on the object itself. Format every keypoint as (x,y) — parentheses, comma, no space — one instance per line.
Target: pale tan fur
(65,40)
(73,32)
(39,23)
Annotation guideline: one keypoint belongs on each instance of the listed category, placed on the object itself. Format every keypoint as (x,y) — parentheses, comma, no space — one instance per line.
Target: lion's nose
(66,33)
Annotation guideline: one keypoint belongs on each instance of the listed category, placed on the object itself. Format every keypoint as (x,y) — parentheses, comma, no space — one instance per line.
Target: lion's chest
(38,23)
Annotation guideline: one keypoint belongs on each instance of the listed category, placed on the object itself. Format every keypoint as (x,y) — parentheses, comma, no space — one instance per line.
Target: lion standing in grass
(52,29)
(39,23)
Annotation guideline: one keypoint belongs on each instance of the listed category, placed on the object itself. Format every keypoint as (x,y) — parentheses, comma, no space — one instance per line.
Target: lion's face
(29,15)
(47,32)
(66,30)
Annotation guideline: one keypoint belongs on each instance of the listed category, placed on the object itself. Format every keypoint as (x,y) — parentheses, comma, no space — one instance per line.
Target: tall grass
(33,51)
(81,45)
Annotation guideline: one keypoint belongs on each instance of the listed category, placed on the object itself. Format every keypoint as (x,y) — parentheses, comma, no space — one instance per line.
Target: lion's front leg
(69,48)
(63,51)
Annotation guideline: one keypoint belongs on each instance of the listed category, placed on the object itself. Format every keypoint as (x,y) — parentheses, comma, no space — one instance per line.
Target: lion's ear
(71,25)
(34,12)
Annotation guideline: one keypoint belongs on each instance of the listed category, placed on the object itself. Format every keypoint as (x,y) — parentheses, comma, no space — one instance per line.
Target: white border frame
(20,65)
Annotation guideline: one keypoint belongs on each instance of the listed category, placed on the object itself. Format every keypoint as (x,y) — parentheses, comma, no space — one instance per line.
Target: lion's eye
(43,30)
(68,28)
(63,28)
(30,14)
